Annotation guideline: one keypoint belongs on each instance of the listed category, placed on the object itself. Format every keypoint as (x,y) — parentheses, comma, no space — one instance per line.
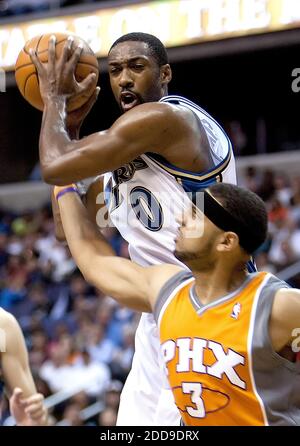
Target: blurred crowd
(281,193)
(80,341)
(17,7)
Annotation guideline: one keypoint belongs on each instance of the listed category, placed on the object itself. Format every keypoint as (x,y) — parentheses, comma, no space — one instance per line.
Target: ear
(165,74)
(228,241)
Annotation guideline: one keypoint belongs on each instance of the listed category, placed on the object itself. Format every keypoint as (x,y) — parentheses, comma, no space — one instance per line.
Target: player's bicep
(121,279)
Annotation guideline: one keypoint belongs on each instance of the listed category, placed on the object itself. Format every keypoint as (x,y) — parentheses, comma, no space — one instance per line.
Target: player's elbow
(50,175)
(88,276)
(60,235)
(91,276)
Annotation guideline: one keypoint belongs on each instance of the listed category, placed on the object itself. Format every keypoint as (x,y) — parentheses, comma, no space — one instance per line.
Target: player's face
(134,75)
(196,240)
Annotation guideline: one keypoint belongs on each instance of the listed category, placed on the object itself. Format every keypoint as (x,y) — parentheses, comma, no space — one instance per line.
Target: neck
(164,93)
(213,284)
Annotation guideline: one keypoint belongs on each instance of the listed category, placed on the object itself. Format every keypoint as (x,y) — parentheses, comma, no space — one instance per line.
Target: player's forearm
(118,277)
(65,159)
(55,138)
(58,227)
(83,236)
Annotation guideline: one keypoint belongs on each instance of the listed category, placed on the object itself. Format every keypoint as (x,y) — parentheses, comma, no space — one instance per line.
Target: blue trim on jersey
(222,165)
(186,175)
(196,186)
(251,266)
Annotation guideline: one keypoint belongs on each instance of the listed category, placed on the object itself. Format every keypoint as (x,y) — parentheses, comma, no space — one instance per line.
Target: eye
(138,66)
(114,70)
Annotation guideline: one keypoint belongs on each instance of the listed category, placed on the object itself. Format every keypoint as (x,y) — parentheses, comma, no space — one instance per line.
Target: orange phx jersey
(220,363)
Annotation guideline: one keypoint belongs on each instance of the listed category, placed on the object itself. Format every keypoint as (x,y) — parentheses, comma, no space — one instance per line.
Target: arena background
(244,75)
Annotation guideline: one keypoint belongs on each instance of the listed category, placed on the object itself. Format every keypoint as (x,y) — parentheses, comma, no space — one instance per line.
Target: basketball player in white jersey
(161,148)
(26,405)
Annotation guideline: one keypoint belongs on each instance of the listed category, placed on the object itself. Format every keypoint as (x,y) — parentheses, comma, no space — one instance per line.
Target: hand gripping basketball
(57,66)
(57,77)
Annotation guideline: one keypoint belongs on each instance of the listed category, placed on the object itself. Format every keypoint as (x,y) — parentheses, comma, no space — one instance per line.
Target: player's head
(227,224)
(138,69)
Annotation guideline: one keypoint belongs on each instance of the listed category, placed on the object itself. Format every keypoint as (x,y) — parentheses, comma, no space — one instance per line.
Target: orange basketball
(26,75)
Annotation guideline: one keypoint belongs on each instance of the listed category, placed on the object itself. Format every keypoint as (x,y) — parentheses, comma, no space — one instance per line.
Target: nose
(125,79)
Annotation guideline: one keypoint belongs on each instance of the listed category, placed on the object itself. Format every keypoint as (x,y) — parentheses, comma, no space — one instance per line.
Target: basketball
(26,74)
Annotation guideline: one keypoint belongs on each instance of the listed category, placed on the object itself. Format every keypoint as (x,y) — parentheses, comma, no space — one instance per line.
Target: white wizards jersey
(146,196)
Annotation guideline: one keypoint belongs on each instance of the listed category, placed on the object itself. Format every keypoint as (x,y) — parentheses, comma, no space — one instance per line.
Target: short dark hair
(157,49)
(247,208)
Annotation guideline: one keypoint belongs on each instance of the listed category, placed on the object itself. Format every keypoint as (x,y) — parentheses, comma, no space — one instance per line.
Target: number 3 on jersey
(195,389)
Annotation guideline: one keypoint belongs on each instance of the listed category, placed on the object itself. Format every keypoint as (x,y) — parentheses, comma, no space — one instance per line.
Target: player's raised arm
(64,161)
(130,284)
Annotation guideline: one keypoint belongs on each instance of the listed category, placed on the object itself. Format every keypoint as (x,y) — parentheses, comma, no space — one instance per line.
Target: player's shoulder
(158,110)
(286,305)
(287,298)
(159,276)
(164,270)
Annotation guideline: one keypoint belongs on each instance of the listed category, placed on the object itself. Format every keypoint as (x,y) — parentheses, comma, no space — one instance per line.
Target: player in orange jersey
(226,335)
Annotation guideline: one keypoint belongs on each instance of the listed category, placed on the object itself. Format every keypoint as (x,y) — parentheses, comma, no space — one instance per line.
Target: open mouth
(128,100)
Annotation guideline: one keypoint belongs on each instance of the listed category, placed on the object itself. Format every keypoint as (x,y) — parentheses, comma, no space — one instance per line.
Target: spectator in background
(108,417)
(38,350)
(112,395)
(94,375)
(250,179)
(278,213)
(267,187)
(122,360)
(295,199)
(99,347)
(71,416)
(283,191)
(238,137)
(56,371)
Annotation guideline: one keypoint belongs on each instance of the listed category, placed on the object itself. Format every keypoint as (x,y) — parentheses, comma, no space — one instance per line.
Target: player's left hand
(57,76)
(28,411)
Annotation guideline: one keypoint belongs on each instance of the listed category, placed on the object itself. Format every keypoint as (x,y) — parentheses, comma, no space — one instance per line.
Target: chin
(182,256)
(186,257)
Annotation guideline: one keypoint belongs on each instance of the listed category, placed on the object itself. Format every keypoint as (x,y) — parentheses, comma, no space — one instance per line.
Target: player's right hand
(57,76)
(28,411)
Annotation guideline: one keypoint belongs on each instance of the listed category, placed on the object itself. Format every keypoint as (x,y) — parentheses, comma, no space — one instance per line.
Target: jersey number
(146,208)
(144,204)
(195,389)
